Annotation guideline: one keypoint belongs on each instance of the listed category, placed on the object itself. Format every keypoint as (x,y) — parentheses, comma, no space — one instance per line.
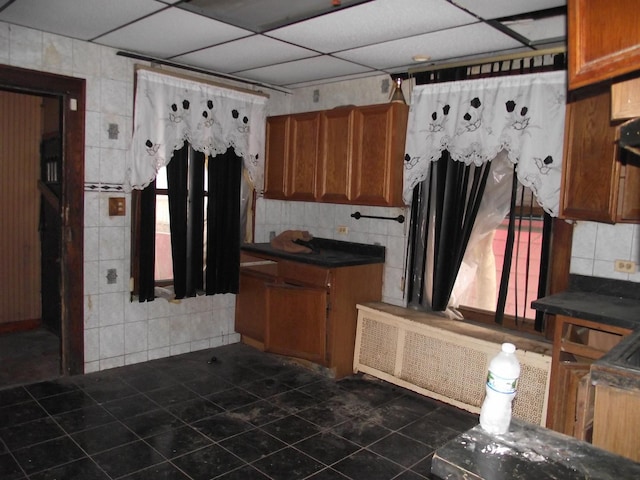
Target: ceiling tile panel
(246,53)
(373,22)
(303,42)
(551,28)
(171,32)
(456,42)
(81,19)
(309,69)
(490,9)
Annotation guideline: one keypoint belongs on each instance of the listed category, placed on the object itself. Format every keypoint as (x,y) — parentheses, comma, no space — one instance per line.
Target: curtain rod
(166,63)
(487,60)
(201,80)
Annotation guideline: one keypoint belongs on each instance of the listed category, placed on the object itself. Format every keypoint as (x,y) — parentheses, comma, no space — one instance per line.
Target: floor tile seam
(253,463)
(24,472)
(64,434)
(53,417)
(399,432)
(146,440)
(404,467)
(246,462)
(243,461)
(53,467)
(116,420)
(30,399)
(48,415)
(53,394)
(329,465)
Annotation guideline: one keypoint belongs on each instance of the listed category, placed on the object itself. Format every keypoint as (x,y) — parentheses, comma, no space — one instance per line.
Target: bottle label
(500,384)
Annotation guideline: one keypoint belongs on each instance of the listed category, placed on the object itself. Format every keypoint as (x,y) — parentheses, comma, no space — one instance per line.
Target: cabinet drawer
(303,274)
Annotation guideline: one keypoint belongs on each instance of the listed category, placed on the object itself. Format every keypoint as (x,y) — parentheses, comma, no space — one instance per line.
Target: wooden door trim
(72,212)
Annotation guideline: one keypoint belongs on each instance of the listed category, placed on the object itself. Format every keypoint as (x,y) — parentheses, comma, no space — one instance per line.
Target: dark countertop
(610,302)
(527,452)
(327,253)
(610,310)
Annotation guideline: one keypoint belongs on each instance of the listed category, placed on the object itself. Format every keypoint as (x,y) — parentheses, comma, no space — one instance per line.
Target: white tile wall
(323,220)
(117,331)
(596,246)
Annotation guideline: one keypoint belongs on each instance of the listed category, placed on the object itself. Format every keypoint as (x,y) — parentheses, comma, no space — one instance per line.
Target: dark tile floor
(27,357)
(247,415)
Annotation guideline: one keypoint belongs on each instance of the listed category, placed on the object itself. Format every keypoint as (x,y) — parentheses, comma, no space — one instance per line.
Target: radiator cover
(447,359)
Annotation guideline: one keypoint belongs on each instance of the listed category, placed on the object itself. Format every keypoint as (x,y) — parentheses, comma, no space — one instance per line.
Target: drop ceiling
(296,43)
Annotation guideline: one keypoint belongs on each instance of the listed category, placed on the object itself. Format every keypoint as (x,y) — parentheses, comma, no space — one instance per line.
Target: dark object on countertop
(326,253)
(288,241)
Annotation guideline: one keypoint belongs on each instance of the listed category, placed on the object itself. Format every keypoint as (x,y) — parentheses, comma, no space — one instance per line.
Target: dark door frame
(72,93)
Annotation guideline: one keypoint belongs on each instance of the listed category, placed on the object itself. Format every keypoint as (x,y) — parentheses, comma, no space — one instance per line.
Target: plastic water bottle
(502,380)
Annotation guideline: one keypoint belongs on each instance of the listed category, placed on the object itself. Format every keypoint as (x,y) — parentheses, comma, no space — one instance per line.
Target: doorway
(61,224)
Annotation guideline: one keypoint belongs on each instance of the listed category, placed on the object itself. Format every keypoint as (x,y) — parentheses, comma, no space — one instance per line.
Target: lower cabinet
(577,344)
(616,421)
(296,323)
(305,311)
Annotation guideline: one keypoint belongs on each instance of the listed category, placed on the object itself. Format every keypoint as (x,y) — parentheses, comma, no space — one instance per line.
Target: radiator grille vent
(445,365)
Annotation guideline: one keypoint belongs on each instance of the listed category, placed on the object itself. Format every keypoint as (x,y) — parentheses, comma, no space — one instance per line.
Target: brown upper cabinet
(349,155)
(603,40)
(599,183)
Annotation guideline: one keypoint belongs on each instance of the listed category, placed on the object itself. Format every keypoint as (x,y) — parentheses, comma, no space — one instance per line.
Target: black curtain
(223,225)
(186,193)
(185,182)
(145,235)
(443,212)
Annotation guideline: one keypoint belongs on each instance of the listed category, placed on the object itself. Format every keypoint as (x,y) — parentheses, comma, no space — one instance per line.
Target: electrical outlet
(343,230)
(625,266)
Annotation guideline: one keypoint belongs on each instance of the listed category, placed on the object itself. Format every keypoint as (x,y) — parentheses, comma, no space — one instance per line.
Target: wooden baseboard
(20,326)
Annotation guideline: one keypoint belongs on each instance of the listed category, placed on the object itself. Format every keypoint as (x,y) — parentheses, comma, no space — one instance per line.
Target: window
(163,271)
(202,195)
(187,227)
(526,275)
(475,137)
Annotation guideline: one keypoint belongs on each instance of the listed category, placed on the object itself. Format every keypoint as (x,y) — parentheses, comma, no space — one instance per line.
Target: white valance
(476,119)
(171,109)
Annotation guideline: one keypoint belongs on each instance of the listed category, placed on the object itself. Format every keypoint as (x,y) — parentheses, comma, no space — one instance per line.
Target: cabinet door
(625,99)
(629,194)
(296,322)
(603,40)
(251,315)
(304,130)
(277,152)
(378,141)
(335,156)
(590,172)
(616,421)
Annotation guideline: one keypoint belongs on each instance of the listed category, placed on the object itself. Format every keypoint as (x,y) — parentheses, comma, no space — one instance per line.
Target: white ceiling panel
(452,43)
(542,29)
(171,32)
(288,43)
(82,19)
(373,22)
(306,70)
(246,53)
(489,9)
